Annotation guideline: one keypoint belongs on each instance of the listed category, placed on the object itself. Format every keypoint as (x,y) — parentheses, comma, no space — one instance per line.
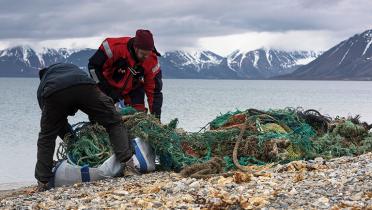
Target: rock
(258,202)
(298,177)
(322,202)
(215,201)
(179,187)
(121,192)
(157,204)
(240,177)
(292,166)
(195,185)
(293,191)
(319,159)
(357,196)
(223,181)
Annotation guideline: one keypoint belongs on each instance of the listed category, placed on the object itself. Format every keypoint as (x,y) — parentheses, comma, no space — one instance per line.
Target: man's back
(60,76)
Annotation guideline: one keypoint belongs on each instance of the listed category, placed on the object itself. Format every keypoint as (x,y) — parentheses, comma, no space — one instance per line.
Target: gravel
(341,183)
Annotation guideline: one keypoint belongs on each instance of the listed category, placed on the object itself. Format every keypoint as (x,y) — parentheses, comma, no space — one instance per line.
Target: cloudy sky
(220,26)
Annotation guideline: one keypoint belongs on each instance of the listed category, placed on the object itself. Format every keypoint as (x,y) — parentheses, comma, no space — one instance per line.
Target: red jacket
(118,53)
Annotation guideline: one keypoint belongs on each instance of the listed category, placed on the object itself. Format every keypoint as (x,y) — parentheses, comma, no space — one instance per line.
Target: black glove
(120,67)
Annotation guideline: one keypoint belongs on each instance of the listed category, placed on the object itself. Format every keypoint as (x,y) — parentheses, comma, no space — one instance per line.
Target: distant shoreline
(9,186)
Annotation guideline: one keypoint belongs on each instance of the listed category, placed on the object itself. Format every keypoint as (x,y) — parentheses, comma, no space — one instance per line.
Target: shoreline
(15,192)
(344,182)
(15,185)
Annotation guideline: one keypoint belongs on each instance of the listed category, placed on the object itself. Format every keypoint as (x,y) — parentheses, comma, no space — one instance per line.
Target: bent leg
(53,120)
(101,109)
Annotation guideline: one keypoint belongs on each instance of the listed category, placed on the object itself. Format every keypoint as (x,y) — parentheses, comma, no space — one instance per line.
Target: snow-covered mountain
(196,60)
(23,61)
(194,64)
(349,60)
(257,64)
(18,61)
(265,63)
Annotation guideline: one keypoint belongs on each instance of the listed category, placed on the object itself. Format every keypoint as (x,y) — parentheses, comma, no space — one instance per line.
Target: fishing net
(88,145)
(344,138)
(235,139)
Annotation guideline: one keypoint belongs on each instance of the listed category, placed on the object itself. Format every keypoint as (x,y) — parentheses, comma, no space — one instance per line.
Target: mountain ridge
(23,61)
(351,59)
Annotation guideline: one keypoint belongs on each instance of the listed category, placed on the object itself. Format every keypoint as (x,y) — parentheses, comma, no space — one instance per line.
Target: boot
(129,169)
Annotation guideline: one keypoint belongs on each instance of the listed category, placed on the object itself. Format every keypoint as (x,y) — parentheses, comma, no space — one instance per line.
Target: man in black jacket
(64,89)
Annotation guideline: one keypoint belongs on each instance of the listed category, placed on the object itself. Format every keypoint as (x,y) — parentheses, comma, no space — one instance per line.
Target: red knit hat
(144,40)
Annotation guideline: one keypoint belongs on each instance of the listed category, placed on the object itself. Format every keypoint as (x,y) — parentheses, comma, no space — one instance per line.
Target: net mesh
(274,135)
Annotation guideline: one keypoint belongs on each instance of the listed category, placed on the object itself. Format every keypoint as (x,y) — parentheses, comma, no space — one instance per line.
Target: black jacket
(58,77)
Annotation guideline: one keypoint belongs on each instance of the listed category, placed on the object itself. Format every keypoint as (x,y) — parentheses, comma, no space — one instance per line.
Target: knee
(46,138)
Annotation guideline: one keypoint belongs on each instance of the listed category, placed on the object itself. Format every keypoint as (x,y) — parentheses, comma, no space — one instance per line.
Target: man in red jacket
(127,68)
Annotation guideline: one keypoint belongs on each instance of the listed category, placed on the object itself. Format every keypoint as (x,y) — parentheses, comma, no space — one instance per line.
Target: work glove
(120,67)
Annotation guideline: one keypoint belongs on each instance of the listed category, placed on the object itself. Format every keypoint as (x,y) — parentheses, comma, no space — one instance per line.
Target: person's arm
(96,63)
(153,88)
(102,61)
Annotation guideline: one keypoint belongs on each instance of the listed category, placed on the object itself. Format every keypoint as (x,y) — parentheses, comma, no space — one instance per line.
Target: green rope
(280,135)
(91,146)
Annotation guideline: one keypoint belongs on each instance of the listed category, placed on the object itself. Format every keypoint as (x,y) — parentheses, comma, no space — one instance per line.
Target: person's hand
(120,66)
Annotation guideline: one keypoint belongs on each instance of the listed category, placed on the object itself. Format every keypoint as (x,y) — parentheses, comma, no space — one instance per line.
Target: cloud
(179,24)
(287,40)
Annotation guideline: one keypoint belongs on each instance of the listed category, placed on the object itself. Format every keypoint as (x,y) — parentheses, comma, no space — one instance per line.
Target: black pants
(89,99)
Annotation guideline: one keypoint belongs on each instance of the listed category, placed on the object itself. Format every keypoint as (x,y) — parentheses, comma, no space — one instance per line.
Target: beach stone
(121,192)
(195,184)
(179,187)
(322,202)
(157,204)
(215,201)
(293,191)
(357,196)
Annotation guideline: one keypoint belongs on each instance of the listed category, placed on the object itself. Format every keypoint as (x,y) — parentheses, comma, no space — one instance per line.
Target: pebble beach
(341,183)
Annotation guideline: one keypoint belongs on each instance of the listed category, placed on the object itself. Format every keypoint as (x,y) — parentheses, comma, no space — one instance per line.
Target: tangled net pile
(234,140)
(89,145)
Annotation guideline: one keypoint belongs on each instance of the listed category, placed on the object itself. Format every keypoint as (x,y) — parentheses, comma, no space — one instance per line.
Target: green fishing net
(274,135)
